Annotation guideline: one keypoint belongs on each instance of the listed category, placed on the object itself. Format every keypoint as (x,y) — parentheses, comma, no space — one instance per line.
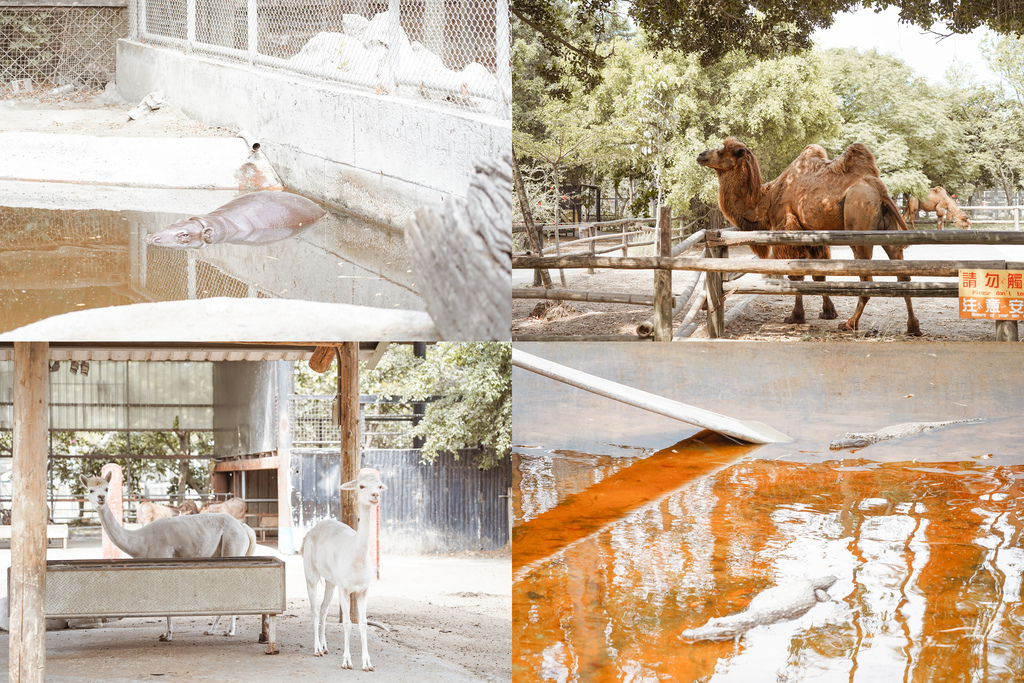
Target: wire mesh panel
(61,44)
(175,275)
(451,51)
(311,422)
(120,395)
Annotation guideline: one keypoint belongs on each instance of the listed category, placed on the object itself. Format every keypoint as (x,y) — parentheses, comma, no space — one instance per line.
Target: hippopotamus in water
(254,218)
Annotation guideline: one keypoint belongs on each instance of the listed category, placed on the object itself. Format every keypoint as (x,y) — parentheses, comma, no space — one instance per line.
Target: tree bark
(541,276)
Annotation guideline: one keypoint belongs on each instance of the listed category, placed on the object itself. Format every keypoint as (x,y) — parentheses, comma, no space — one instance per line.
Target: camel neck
(121,537)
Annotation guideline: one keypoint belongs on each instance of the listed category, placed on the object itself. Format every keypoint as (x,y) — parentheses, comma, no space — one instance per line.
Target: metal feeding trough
(78,589)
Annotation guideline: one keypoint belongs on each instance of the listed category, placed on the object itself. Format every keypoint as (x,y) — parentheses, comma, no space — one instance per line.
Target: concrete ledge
(221,318)
(376,156)
(134,162)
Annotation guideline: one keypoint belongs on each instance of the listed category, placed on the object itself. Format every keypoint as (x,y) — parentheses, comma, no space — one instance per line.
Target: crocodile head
(850,441)
(821,586)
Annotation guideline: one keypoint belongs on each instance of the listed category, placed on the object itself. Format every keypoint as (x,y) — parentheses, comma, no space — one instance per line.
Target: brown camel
(813,193)
(941,203)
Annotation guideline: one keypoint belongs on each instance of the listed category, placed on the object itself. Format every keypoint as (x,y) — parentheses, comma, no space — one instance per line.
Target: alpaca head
(96,489)
(367,486)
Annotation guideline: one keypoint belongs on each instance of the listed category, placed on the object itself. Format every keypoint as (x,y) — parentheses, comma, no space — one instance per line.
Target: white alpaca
(341,556)
(212,535)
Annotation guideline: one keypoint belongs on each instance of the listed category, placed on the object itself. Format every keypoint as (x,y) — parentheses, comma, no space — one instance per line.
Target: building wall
(375,156)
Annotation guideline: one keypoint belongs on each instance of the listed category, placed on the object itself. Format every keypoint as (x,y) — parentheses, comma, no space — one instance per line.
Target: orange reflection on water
(928,559)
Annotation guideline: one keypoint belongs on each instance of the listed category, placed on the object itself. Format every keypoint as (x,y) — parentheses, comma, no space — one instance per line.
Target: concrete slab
(137,162)
(220,318)
(71,196)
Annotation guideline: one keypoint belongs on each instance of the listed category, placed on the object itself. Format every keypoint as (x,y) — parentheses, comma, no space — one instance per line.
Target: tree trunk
(541,277)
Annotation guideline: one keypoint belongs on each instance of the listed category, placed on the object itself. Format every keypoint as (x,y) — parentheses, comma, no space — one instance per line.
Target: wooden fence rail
(717,243)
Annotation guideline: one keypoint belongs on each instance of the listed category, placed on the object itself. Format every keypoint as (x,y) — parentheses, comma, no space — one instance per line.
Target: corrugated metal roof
(157,351)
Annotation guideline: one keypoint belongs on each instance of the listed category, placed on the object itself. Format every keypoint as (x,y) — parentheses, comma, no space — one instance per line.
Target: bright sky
(864,29)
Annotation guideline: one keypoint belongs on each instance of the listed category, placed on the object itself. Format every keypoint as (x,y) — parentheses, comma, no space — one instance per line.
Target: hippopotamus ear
(207,235)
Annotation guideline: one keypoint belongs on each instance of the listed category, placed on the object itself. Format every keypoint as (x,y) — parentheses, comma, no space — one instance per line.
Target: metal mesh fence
(381,425)
(451,51)
(174,275)
(61,45)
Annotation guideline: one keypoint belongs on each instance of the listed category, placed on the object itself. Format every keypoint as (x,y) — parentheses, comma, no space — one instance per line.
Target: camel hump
(856,160)
(815,151)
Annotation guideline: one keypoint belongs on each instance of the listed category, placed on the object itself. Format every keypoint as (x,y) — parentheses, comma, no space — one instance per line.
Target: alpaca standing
(212,535)
(341,556)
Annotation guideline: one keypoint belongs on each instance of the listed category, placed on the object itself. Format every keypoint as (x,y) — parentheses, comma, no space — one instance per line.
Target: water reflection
(928,557)
(57,261)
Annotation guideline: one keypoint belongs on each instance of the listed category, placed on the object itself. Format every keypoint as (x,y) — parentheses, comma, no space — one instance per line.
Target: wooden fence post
(713,281)
(663,279)
(27,644)
(591,232)
(1006,330)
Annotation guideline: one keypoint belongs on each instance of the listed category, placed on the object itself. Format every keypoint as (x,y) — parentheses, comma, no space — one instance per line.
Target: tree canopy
(763,28)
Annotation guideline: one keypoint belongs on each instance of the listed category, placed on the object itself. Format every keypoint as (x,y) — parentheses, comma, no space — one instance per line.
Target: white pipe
(747,430)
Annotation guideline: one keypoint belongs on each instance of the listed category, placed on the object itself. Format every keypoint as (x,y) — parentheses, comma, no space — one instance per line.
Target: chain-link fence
(60,45)
(453,51)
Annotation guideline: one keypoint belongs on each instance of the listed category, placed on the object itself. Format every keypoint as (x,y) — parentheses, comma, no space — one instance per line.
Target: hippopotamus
(254,218)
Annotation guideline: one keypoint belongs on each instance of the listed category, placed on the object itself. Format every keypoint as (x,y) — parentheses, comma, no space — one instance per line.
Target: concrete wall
(377,156)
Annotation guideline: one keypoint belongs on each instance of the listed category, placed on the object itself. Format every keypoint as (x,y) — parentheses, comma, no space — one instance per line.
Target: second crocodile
(789,601)
(905,429)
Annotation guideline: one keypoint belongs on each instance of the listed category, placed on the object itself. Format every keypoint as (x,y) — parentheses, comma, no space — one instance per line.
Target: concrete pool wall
(377,156)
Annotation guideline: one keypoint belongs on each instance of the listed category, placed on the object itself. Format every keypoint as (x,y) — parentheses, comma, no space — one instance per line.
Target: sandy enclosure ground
(102,113)
(884,318)
(450,618)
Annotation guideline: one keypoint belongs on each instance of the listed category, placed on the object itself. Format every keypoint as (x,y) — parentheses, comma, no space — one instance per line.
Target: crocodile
(789,601)
(900,431)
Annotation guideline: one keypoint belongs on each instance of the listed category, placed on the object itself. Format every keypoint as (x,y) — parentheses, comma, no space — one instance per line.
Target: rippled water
(58,261)
(928,559)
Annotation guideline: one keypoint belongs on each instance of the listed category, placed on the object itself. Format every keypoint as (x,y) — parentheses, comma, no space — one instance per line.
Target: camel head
(961,220)
(367,486)
(733,157)
(96,489)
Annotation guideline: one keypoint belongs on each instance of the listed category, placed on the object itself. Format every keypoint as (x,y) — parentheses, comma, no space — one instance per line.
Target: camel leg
(859,252)
(828,309)
(797,316)
(895,253)
(940,219)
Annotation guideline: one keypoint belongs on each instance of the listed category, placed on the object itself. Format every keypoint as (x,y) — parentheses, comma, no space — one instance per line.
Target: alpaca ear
(383,487)
(109,475)
(349,485)
(85,482)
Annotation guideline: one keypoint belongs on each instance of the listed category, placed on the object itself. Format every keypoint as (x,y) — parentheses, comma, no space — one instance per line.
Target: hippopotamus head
(187,234)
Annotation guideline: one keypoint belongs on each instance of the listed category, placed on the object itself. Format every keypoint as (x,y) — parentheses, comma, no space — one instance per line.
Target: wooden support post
(592,232)
(27,643)
(663,280)
(716,295)
(1006,330)
(348,411)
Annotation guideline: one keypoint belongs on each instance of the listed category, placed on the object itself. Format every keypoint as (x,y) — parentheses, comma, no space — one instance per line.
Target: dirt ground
(102,113)
(884,318)
(450,618)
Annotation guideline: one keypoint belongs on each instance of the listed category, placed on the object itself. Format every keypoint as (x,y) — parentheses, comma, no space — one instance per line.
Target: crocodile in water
(905,429)
(789,601)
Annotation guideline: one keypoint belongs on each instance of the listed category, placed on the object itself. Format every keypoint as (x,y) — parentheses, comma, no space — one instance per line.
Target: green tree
(474,383)
(904,122)
(764,28)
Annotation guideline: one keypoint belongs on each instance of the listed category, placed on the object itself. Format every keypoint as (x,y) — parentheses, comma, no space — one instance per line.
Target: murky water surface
(928,557)
(57,261)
